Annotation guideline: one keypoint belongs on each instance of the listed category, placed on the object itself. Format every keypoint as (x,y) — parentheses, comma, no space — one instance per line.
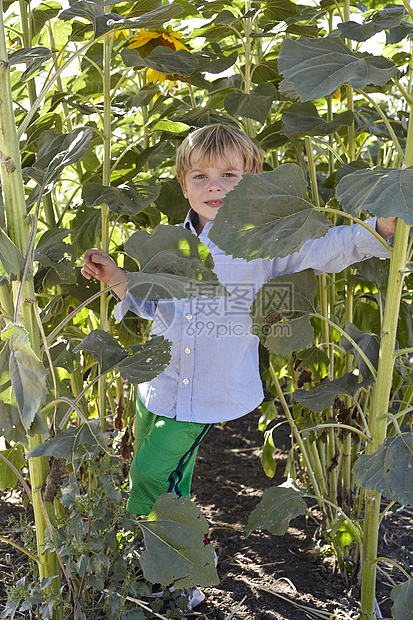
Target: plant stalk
(377,420)
(18,230)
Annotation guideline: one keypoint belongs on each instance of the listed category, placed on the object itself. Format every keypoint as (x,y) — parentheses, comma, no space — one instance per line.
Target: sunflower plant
(88,140)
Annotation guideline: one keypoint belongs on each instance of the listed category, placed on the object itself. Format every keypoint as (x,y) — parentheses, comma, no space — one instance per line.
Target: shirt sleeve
(144,309)
(339,248)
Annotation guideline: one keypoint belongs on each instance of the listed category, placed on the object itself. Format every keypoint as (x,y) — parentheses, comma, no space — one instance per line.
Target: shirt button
(185,381)
(189,316)
(187,350)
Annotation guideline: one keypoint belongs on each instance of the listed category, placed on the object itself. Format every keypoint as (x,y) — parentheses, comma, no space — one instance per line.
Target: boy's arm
(386,226)
(339,248)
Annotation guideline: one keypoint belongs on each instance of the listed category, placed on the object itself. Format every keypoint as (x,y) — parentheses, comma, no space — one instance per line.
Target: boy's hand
(97,264)
(386,226)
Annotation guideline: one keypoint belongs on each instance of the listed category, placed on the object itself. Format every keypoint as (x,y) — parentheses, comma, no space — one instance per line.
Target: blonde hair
(216,141)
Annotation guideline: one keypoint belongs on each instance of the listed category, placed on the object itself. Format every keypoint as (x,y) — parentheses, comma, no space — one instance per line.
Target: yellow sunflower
(148,40)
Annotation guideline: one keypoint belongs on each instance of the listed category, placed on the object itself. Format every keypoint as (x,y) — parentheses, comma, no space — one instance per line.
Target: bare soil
(262,577)
(266,577)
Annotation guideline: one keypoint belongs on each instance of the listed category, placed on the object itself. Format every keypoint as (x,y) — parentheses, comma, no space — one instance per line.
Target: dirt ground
(228,484)
(262,577)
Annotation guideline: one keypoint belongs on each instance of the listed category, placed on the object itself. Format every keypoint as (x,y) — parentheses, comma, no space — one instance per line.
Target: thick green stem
(18,230)
(25,21)
(377,420)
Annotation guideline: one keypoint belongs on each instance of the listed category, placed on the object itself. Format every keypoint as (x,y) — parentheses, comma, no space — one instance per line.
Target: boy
(213,374)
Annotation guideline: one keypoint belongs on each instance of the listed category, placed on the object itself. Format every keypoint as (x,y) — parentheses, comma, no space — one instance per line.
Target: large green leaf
(63,356)
(255,105)
(397,34)
(131,198)
(272,136)
(317,67)
(278,506)
(368,343)
(265,71)
(276,311)
(11,427)
(173,263)
(402,595)
(215,63)
(30,55)
(52,251)
(170,127)
(280,10)
(42,13)
(104,348)
(381,191)
(150,20)
(86,226)
(289,336)
(49,145)
(73,148)
(27,373)
(146,361)
(302,119)
(174,544)
(172,202)
(162,59)
(89,9)
(10,256)
(369,120)
(65,445)
(15,455)
(323,396)
(375,270)
(387,18)
(389,470)
(268,215)
(226,18)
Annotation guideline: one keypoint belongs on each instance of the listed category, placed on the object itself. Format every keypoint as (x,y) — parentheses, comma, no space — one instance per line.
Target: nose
(215,185)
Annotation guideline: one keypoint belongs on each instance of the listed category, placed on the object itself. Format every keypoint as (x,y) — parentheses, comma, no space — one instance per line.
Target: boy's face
(205,185)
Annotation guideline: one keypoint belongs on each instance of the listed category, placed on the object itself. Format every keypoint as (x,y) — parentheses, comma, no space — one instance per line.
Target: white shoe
(195,597)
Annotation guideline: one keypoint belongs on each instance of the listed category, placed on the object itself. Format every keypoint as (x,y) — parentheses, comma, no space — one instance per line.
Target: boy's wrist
(119,277)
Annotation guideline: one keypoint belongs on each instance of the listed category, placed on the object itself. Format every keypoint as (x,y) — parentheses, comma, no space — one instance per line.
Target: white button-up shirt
(213,375)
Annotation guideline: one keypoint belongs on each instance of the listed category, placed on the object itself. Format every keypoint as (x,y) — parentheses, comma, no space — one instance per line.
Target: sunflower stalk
(19,233)
(382,388)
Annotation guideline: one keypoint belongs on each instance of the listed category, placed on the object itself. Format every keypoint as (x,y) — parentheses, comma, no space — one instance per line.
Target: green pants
(165,456)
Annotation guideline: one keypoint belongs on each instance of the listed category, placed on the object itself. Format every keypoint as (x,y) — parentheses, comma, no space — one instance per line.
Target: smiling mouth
(214,203)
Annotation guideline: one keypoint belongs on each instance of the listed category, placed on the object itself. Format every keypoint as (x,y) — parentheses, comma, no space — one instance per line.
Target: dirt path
(228,484)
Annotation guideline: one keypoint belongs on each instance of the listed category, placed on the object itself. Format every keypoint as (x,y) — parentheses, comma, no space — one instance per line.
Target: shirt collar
(191,219)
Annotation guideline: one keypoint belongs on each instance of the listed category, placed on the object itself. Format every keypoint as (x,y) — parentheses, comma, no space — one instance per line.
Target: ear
(182,184)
